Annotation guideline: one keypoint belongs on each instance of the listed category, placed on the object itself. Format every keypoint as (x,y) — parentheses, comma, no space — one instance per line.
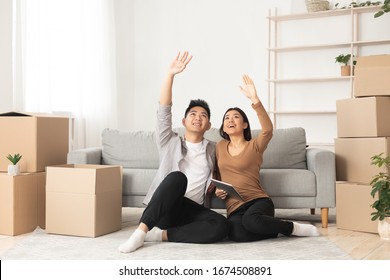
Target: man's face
(197,120)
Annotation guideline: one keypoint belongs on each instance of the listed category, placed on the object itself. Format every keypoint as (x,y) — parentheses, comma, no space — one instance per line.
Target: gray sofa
(294,175)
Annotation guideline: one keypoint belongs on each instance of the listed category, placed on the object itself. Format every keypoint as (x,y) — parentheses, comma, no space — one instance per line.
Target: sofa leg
(324,217)
(312,211)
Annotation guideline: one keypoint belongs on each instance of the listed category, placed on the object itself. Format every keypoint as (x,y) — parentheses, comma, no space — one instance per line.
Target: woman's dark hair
(247,130)
(196,103)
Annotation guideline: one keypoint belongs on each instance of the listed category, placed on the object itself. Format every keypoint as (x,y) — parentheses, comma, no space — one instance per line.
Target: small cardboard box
(83,200)
(372,76)
(363,117)
(353,158)
(19,202)
(353,207)
(42,140)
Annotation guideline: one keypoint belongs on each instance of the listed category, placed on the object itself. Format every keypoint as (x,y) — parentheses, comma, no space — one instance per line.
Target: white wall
(227,39)
(5,55)
(124,21)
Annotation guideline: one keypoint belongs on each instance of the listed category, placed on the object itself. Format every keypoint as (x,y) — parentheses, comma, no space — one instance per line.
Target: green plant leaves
(381,187)
(14,159)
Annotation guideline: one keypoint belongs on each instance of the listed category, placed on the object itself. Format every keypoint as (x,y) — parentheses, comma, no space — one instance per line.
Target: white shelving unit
(352,45)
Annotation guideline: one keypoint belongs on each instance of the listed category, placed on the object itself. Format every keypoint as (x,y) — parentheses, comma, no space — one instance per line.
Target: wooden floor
(358,245)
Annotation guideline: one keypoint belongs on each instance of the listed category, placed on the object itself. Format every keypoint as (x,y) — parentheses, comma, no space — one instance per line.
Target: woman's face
(233,123)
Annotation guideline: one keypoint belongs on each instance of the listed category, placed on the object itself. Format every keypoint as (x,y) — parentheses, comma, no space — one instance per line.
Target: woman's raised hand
(248,89)
(180,62)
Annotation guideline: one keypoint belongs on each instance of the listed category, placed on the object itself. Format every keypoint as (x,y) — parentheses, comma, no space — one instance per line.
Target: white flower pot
(14,170)
(384,229)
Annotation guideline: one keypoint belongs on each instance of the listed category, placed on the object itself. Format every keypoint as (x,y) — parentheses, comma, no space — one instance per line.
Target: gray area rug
(42,246)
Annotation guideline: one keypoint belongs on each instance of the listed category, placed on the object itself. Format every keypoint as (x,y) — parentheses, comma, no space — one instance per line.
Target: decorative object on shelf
(358,5)
(344,59)
(385,8)
(14,168)
(317,5)
(381,187)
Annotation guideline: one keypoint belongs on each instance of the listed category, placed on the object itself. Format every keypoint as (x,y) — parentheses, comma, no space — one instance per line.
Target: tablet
(227,188)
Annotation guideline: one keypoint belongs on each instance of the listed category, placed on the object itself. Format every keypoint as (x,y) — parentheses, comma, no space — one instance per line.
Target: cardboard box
(372,76)
(42,140)
(19,202)
(353,207)
(353,158)
(363,117)
(83,200)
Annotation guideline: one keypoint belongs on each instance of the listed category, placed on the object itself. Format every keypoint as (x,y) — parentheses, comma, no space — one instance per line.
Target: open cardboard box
(83,200)
(41,139)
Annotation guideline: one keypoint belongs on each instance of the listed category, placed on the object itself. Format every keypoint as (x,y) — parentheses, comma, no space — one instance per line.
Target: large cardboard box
(19,202)
(353,207)
(372,76)
(353,158)
(363,117)
(42,140)
(83,200)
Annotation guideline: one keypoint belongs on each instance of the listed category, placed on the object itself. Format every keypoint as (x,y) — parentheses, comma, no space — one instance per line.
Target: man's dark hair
(247,131)
(200,103)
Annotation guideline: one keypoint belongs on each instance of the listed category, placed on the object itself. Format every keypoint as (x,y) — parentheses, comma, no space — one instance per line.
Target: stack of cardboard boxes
(42,140)
(363,130)
(81,200)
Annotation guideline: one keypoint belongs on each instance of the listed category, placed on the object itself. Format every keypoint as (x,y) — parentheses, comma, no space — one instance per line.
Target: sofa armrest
(85,156)
(323,164)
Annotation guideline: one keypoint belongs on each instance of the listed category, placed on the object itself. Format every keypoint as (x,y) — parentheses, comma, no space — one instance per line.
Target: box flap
(20,114)
(14,114)
(373,61)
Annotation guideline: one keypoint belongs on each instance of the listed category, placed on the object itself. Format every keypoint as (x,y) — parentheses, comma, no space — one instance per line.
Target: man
(175,210)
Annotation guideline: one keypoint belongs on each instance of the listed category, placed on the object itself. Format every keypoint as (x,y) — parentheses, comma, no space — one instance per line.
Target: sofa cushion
(288,182)
(136,181)
(130,149)
(286,150)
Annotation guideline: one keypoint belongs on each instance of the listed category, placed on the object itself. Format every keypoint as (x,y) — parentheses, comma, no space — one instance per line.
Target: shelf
(369,43)
(311,80)
(302,112)
(329,13)
(328,46)
(309,47)
(350,43)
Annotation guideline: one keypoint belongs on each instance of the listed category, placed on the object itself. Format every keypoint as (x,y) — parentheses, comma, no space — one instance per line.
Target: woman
(239,158)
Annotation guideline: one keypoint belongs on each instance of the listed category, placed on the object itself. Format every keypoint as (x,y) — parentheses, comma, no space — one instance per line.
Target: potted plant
(344,59)
(381,191)
(14,169)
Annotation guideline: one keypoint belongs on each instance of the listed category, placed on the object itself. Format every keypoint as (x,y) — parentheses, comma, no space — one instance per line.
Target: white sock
(135,241)
(154,235)
(305,230)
